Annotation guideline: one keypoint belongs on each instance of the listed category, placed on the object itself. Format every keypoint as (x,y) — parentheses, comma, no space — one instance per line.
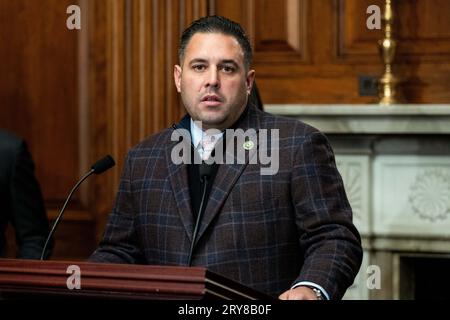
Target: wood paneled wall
(314,51)
(39,100)
(76,95)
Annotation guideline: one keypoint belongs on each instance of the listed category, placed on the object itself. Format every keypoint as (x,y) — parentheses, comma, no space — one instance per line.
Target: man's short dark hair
(217,24)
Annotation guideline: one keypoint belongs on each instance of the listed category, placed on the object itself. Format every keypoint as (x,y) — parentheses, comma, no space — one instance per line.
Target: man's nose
(213,79)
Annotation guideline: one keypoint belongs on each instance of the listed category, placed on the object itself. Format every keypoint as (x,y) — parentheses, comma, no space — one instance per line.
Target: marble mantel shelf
(370,118)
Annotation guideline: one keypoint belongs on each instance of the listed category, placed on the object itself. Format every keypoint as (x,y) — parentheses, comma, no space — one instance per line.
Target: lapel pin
(248,145)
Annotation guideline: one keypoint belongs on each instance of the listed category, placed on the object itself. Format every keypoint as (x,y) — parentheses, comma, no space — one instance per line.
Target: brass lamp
(387,85)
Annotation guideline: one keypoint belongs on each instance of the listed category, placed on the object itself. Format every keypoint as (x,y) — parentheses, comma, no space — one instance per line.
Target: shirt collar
(197,133)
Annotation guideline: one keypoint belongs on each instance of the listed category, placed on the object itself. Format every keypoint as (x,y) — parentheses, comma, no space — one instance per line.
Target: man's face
(213,80)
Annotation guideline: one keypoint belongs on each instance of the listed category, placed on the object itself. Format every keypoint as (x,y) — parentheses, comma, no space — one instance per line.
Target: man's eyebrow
(229,61)
(197,60)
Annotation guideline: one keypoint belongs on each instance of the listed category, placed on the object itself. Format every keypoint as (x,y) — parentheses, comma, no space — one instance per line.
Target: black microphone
(103,164)
(100,166)
(205,171)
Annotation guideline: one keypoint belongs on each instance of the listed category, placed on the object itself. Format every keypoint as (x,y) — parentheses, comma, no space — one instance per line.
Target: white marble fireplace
(395,162)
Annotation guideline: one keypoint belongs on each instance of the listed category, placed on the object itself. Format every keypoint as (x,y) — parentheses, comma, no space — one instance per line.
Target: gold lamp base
(387,90)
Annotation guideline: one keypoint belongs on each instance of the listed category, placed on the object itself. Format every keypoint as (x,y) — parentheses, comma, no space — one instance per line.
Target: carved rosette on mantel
(351,176)
(355,173)
(388,84)
(430,194)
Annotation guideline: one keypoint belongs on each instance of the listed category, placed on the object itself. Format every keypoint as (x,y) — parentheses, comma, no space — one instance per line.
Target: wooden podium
(24,279)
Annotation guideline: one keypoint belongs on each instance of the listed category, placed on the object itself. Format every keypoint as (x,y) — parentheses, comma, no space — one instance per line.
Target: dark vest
(196,186)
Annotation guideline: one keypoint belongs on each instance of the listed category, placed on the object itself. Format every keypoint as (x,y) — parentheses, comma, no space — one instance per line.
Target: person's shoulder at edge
(9,141)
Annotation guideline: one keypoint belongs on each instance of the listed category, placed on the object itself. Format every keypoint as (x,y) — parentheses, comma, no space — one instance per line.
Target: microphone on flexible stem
(205,171)
(99,167)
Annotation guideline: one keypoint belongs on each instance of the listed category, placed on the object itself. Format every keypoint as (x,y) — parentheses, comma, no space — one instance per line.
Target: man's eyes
(199,67)
(226,69)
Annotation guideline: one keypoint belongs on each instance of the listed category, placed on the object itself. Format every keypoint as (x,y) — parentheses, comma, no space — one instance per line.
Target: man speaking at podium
(287,232)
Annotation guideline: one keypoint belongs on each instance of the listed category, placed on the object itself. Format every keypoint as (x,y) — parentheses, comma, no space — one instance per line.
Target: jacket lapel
(228,174)
(178,177)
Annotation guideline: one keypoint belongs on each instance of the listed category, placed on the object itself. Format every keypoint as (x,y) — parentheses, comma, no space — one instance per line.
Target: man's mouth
(211,100)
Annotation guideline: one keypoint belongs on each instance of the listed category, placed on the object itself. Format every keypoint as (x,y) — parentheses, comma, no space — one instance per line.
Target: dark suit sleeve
(330,243)
(28,215)
(119,243)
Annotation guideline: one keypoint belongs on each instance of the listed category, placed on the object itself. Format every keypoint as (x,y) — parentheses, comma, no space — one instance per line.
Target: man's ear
(177,77)
(249,80)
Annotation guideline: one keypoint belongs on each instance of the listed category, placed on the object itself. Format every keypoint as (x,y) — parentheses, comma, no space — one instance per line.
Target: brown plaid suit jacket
(265,231)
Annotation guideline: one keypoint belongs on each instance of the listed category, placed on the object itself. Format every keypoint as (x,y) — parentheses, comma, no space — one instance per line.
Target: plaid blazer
(265,231)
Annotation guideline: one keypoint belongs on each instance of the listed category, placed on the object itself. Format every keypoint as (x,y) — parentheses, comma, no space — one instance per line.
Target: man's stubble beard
(223,121)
